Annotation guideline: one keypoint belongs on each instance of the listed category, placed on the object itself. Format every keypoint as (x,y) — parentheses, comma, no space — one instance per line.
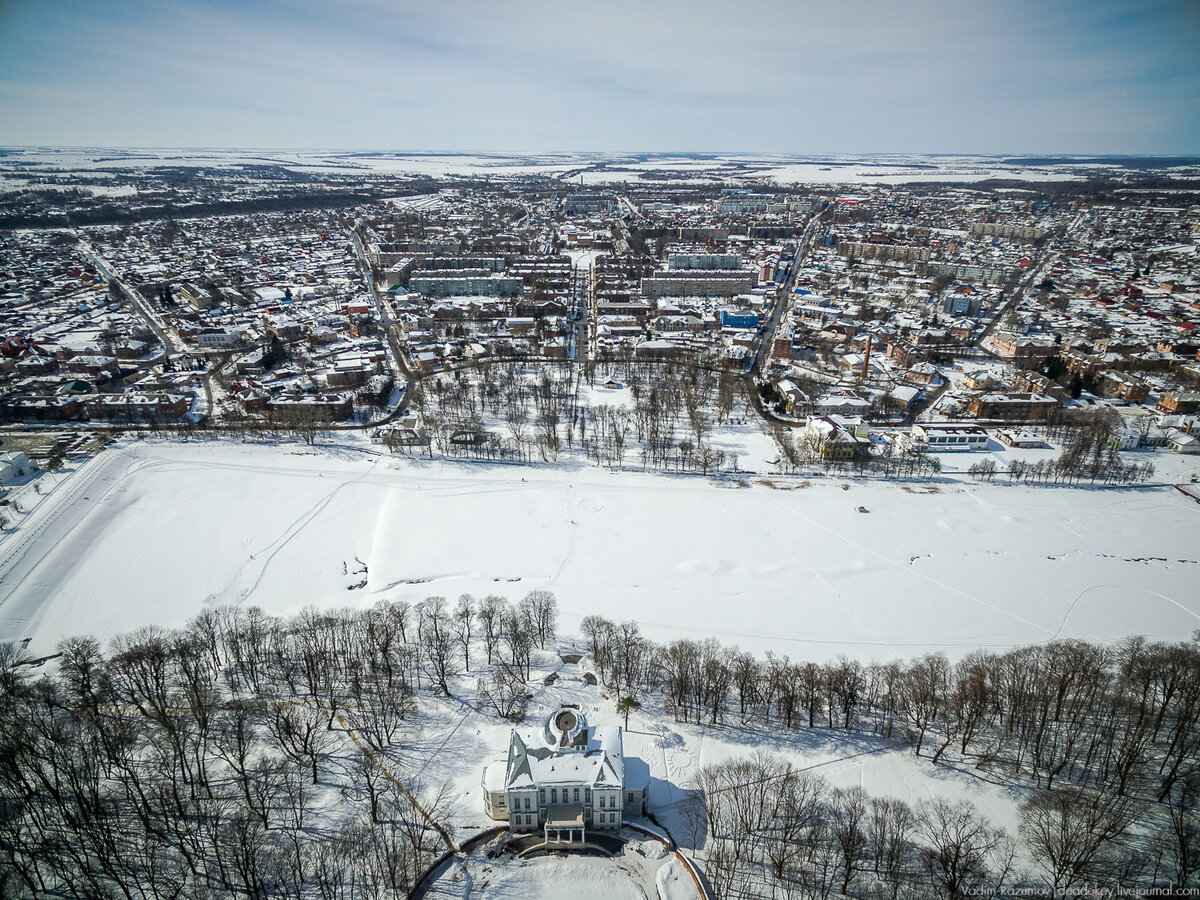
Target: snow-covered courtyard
(152,532)
(641,871)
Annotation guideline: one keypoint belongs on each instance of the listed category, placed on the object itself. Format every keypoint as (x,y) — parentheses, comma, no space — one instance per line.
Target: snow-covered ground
(632,875)
(152,532)
(610,168)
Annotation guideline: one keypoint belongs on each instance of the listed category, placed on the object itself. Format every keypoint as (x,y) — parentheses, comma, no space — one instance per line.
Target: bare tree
(464,615)
(848,825)
(1181,841)
(518,633)
(504,692)
(435,636)
(1074,836)
(926,685)
(962,849)
(490,616)
(541,609)
(300,733)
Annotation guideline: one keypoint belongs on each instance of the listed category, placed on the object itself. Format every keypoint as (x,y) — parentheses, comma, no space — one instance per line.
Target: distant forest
(121,213)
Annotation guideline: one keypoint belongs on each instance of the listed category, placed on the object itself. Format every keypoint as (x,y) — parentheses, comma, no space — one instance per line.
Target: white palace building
(568,779)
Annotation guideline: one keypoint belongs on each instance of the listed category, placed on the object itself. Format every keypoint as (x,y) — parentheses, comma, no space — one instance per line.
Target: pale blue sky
(788,76)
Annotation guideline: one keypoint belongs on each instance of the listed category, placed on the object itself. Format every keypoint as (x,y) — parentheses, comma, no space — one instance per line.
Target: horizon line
(510,153)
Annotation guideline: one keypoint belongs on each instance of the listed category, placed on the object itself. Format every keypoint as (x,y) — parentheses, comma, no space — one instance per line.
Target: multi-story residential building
(386,254)
(904,353)
(1011,407)
(1028,381)
(1124,386)
(1080,363)
(30,408)
(334,407)
(902,252)
(691,283)
(1176,403)
(1020,349)
(588,203)
(970,271)
(704,261)
(838,437)
(464,283)
(998,229)
(819,316)
(611,307)
(740,204)
(196,296)
(92,365)
(963,304)
(458,263)
(137,406)
(542,269)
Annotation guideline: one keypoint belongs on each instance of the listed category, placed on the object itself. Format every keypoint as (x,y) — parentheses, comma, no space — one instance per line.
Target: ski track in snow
(286,538)
(1125,587)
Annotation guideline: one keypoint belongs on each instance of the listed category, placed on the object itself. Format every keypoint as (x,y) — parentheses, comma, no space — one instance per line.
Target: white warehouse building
(567,780)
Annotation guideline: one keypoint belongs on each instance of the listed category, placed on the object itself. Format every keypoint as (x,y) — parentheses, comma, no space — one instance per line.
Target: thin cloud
(770,75)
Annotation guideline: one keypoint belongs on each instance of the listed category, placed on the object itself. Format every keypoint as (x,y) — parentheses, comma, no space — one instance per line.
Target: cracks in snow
(911,569)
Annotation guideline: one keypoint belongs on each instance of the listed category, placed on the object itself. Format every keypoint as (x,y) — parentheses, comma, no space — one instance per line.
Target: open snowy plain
(21,167)
(152,532)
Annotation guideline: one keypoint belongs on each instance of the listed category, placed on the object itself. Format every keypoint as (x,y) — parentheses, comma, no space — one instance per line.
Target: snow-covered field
(600,167)
(152,532)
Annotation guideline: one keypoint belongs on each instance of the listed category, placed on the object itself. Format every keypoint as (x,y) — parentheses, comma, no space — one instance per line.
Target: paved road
(21,551)
(784,301)
(927,403)
(582,281)
(389,329)
(632,207)
(1011,303)
(171,343)
(1035,274)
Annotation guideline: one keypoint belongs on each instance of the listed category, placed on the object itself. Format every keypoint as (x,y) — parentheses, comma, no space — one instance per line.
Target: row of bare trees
(805,451)
(1110,733)
(508,632)
(1086,456)
(770,829)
